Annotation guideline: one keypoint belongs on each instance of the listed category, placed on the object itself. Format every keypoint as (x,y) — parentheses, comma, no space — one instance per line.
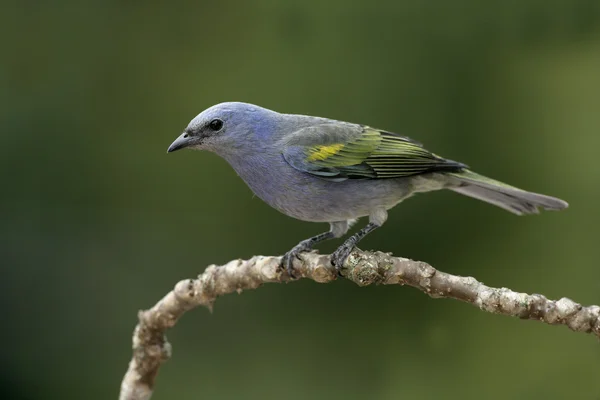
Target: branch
(151,349)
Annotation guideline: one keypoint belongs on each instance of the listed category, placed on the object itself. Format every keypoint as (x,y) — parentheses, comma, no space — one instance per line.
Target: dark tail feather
(502,195)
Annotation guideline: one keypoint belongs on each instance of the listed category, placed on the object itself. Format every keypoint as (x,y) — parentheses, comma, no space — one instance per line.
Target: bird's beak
(184,140)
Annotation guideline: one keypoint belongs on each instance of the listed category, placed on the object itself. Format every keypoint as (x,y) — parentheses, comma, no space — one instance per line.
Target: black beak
(183,141)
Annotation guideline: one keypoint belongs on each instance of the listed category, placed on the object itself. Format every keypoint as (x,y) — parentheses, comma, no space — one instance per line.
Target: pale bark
(151,349)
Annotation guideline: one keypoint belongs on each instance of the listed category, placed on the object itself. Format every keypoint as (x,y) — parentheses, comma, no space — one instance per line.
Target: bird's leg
(377,217)
(305,245)
(338,229)
(339,256)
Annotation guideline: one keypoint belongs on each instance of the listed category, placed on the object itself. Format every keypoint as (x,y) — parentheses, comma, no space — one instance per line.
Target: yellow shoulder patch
(319,153)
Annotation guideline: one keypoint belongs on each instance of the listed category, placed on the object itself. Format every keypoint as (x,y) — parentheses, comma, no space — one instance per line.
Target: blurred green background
(98,221)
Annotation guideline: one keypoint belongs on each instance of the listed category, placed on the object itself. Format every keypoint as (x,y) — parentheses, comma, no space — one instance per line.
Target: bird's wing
(340,151)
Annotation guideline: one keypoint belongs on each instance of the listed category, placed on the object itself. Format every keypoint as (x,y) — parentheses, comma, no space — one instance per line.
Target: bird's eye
(215,125)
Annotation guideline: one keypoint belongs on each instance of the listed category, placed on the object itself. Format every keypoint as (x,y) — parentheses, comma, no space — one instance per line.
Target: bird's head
(226,128)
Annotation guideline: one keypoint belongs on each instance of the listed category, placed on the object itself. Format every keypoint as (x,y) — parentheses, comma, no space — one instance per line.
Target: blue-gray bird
(322,170)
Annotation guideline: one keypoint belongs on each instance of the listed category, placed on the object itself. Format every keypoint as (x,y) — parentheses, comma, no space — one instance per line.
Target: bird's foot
(338,258)
(287,261)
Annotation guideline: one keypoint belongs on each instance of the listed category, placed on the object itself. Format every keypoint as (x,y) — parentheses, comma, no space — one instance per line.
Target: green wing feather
(367,154)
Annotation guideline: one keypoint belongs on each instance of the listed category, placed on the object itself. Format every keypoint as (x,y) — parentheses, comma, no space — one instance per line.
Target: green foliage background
(98,222)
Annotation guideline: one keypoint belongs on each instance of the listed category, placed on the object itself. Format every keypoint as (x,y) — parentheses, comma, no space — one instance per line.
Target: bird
(322,170)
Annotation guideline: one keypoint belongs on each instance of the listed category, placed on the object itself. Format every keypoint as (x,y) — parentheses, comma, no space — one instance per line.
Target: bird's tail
(502,195)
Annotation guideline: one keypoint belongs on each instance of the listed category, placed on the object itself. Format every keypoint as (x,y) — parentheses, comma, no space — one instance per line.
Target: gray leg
(339,256)
(338,229)
(376,219)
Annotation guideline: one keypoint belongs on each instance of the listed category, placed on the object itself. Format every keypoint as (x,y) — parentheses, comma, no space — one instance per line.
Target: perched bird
(322,170)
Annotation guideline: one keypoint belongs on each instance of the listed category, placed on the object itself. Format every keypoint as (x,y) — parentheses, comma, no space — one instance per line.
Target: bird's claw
(287,261)
(338,258)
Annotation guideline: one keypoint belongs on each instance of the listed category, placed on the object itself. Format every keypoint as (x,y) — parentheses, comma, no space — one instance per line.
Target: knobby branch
(151,349)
